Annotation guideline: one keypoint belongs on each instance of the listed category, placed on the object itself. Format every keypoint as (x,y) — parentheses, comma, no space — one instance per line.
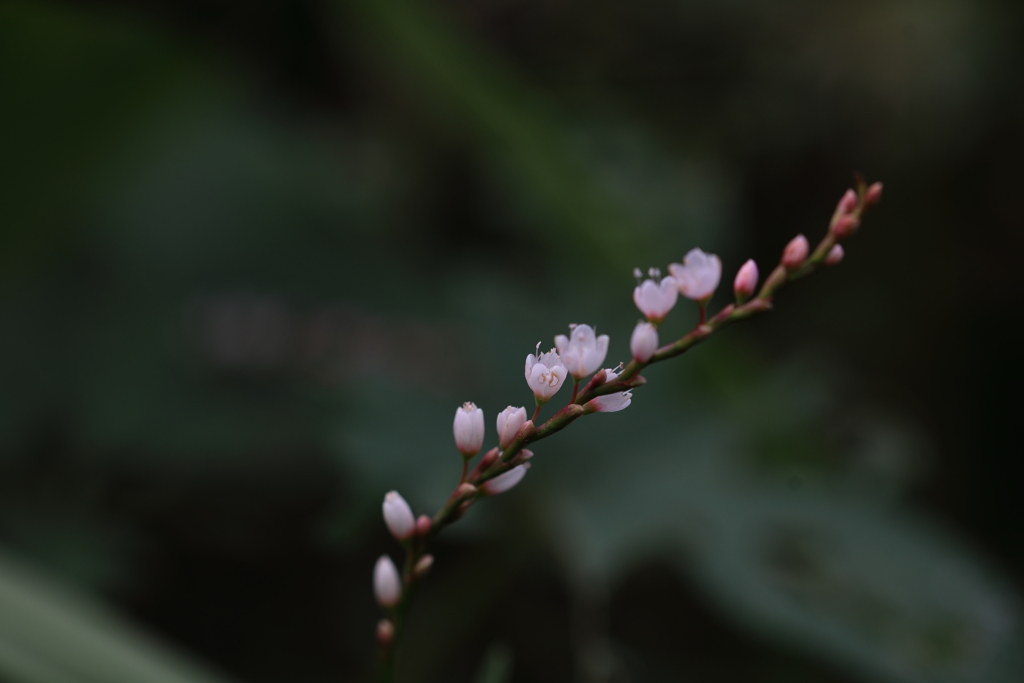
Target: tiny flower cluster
(578,355)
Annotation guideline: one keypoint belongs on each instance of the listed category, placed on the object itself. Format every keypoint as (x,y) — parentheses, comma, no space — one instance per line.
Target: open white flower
(698,274)
(611,403)
(503,482)
(656,299)
(469,429)
(545,374)
(582,352)
(387,584)
(398,516)
(509,422)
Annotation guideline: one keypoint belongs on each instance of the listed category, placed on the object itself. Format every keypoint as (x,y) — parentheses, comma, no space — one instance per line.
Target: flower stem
(468,491)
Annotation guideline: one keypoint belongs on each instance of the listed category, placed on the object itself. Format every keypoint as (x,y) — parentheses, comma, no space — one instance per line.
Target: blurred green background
(254,254)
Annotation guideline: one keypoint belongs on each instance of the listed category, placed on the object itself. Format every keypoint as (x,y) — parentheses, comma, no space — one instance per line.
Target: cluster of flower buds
(579,355)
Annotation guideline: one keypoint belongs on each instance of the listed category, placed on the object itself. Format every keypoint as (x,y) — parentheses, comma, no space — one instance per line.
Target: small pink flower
(845,226)
(745,283)
(697,275)
(847,203)
(644,342)
(398,516)
(611,403)
(469,429)
(509,422)
(582,352)
(387,584)
(545,373)
(655,299)
(873,194)
(503,482)
(795,253)
(835,255)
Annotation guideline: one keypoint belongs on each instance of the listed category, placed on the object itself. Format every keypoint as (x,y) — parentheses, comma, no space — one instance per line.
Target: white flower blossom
(697,275)
(584,352)
(611,403)
(644,342)
(503,482)
(509,422)
(398,516)
(387,584)
(469,429)
(545,374)
(655,299)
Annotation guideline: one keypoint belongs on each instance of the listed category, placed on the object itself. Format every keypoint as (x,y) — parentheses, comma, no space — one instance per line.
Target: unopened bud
(525,455)
(644,342)
(398,516)
(509,422)
(469,429)
(873,194)
(746,281)
(387,584)
(465,490)
(795,253)
(835,255)
(847,203)
(423,524)
(489,459)
(845,226)
(423,566)
(385,632)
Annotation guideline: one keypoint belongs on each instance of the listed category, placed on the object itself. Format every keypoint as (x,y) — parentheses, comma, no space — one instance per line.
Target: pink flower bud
(845,226)
(644,342)
(490,457)
(847,203)
(387,584)
(503,482)
(655,299)
(398,516)
(423,566)
(509,422)
(795,252)
(385,632)
(610,403)
(835,255)
(745,283)
(465,490)
(873,194)
(469,429)
(697,275)
(423,524)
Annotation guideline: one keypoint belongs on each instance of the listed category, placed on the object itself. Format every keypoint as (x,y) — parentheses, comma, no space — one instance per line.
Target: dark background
(253,255)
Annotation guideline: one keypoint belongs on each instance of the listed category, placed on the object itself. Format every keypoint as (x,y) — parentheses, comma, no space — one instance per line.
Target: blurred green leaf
(461,79)
(48,634)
